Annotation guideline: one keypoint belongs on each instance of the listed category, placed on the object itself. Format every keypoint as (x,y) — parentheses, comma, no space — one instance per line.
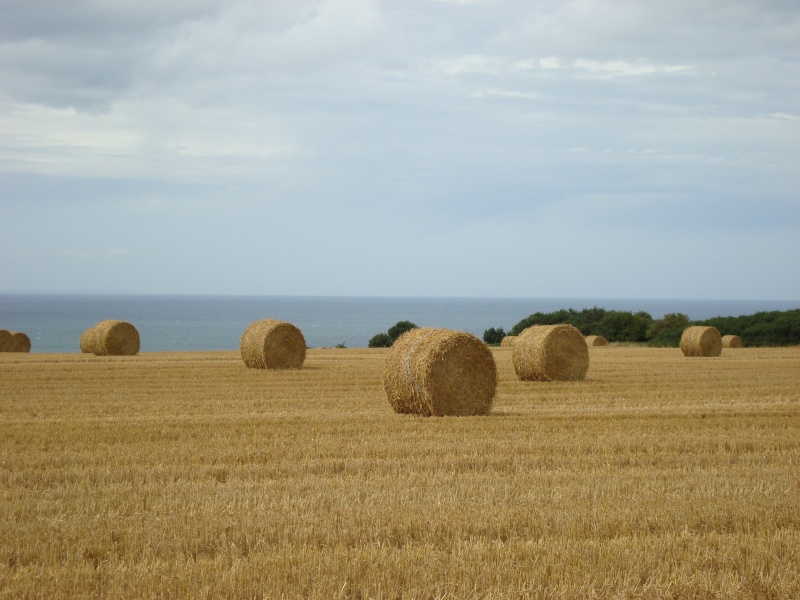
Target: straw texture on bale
(508,341)
(700,340)
(6,341)
(272,344)
(551,353)
(111,338)
(732,341)
(596,340)
(87,341)
(436,372)
(22,343)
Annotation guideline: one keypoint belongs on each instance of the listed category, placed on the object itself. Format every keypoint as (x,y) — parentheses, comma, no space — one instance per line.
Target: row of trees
(775,328)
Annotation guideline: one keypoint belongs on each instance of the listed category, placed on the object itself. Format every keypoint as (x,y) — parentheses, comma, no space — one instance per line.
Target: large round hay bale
(551,353)
(6,341)
(732,341)
(508,341)
(436,372)
(113,338)
(272,344)
(700,340)
(596,340)
(22,343)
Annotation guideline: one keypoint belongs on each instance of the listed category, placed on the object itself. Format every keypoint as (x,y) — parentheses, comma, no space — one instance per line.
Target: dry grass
(189,475)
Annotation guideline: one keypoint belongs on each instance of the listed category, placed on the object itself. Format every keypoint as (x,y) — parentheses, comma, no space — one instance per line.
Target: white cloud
(616,68)
(550,62)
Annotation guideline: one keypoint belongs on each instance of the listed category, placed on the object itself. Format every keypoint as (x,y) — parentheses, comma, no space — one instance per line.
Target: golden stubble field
(187,475)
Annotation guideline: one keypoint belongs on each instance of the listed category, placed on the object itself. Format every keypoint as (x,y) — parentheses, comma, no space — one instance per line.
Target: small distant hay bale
(732,341)
(111,338)
(87,341)
(6,341)
(700,340)
(508,341)
(551,353)
(596,340)
(436,372)
(22,343)
(272,344)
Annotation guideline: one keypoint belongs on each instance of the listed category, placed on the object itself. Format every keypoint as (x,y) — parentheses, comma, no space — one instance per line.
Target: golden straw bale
(272,344)
(22,343)
(596,340)
(87,341)
(112,338)
(435,372)
(700,340)
(6,341)
(551,353)
(508,341)
(732,341)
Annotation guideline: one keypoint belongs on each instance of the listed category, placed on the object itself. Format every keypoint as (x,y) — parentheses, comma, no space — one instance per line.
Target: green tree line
(775,328)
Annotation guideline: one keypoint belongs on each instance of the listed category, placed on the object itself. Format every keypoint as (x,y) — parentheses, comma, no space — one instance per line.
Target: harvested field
(190,475)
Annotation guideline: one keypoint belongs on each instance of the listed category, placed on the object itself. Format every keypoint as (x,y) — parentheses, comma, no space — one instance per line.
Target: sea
(54,322)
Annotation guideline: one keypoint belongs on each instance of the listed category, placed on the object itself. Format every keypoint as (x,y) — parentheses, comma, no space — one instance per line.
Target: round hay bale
(435,372)
(6,341)
(114,338)
(271,344)
(732,341)
(87,341)
(22,343)
(700,340)
(596,340)
(551,353)
(508,341)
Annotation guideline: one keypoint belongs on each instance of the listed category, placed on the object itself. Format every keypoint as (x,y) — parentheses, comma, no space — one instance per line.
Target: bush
(380,340)
(399,328)
(621,326)
(774,328)
(540,318)
(385,340)
(669,321)
(667,338)
(614,325)
(494,336)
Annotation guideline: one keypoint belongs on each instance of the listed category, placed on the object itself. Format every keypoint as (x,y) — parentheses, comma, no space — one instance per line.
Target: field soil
(188,475)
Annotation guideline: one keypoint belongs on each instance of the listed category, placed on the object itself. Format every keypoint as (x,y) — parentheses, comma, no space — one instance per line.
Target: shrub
(621,326)
(494,335)
(380,340)
(385,340)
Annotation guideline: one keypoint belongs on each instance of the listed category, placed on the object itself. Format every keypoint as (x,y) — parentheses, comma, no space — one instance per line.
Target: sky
(485,148)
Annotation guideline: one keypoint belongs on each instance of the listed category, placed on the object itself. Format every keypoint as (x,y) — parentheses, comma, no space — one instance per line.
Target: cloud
(616,68)
(368,131)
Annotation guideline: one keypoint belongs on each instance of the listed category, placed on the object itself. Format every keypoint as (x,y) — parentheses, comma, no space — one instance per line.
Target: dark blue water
(174,323)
